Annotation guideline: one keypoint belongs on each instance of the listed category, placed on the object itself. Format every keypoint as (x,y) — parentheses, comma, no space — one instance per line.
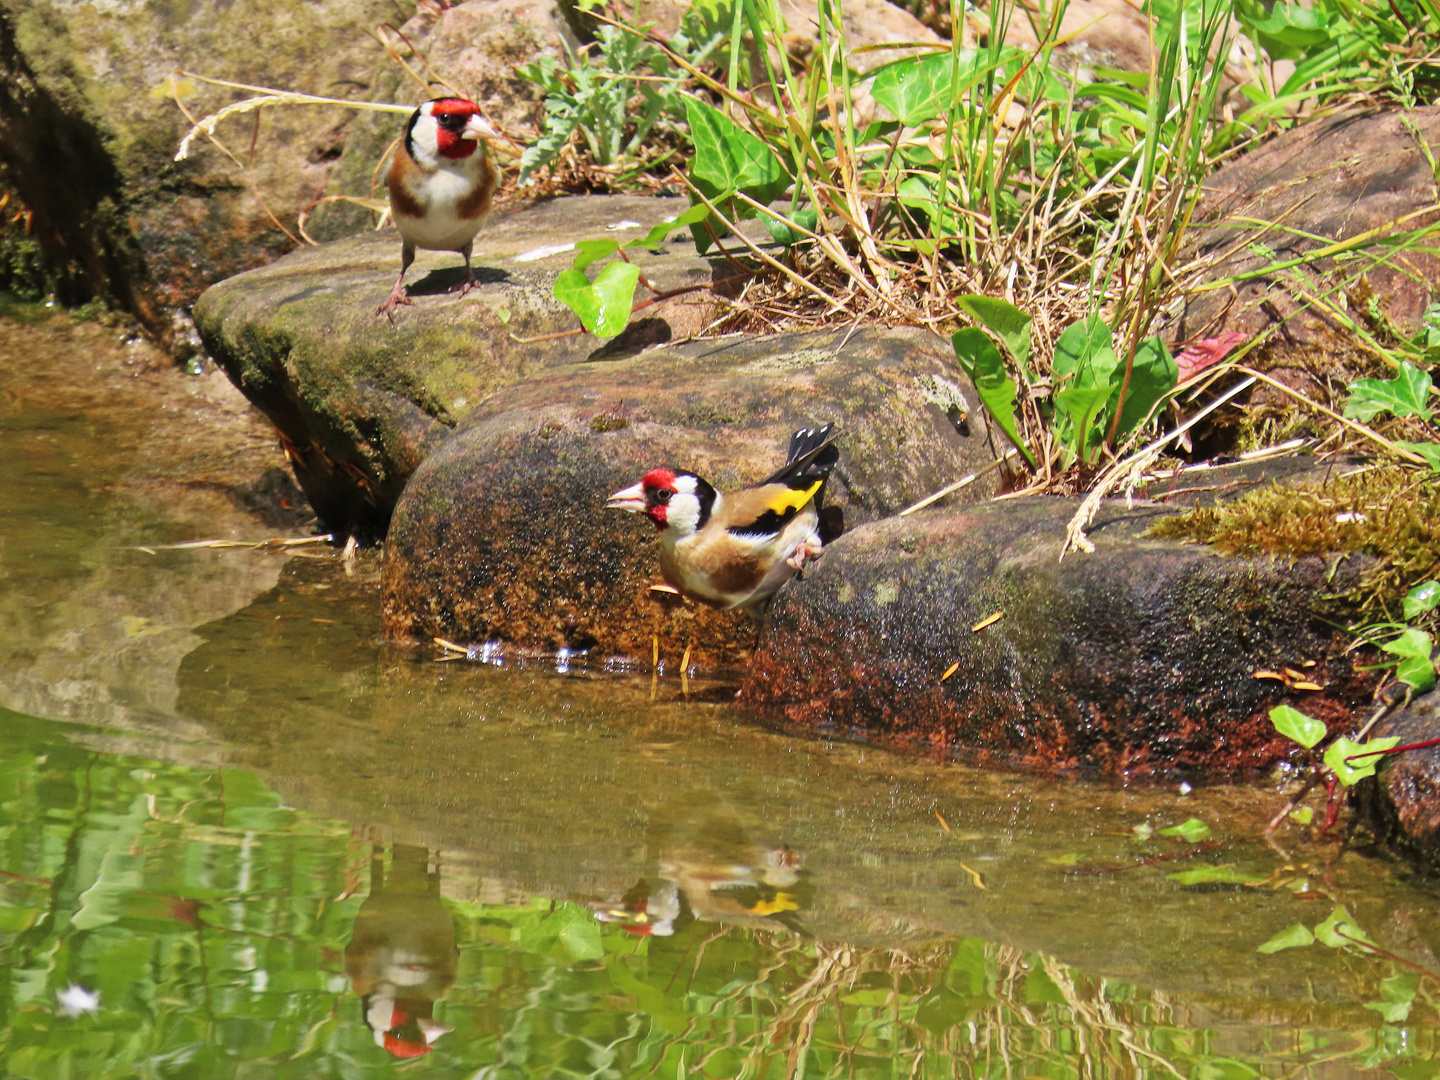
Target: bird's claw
(464,287)
(398,295)
(808,550)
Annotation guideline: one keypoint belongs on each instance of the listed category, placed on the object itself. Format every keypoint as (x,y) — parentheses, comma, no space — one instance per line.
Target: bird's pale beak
(631,498)
(478,128)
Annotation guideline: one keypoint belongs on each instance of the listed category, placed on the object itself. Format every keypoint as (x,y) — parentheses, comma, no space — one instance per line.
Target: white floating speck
(1350,517)
(75,1000)
(1185,788)
(543,252)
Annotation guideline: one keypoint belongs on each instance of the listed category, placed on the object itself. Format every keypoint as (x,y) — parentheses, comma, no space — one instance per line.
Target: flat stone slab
(360,401)
(503,532)
(1139,658)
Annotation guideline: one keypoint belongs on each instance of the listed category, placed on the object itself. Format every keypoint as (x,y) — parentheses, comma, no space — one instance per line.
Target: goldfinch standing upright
(441,184)
(736,549)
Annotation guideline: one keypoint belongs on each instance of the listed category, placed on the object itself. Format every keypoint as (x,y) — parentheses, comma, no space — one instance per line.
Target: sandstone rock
(1136,659)
(89,132)
(1097,33)
(503,532)
(1403,801)
(360,401)
(1332,179)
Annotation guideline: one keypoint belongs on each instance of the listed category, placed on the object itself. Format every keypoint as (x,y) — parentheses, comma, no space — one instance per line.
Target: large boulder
(503,532)
(1330,180)
(1141,657)
(360,401)
(1402,803)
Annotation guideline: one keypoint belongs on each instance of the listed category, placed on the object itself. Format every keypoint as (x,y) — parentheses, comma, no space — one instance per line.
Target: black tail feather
(813,454)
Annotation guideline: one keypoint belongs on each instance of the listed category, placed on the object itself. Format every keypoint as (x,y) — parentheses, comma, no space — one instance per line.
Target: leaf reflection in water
(218,934)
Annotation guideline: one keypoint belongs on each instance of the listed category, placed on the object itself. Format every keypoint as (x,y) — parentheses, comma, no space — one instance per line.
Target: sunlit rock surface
(1327,180)
(1139,658)
(361,401)
(1403,801)
(503,531)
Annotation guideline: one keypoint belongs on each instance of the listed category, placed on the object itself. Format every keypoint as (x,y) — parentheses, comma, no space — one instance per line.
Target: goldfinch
(441,183)
(735,550)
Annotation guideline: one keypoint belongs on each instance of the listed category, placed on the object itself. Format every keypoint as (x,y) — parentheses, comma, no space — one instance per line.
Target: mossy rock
(1138,658)
(503,532)
(359,401)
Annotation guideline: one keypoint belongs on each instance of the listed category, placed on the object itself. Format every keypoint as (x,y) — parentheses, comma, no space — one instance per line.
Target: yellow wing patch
(787,500)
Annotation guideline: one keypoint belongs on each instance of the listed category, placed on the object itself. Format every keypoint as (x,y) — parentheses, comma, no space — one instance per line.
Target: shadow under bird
(441,183)
(737,548)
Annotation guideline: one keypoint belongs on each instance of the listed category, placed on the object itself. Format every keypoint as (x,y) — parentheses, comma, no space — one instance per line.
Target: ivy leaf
(1005,321)
(603,306)
(728,159)
(1191,830)
(1342,748)
(1404,395)
(1216,875)
(1428,450)
(589,251)
(1305,730)
(1292,937)
(1422,598)
(789,232)
(1338,930)
(913,91)
(1416,669)
(1397,994)
(982,361)
(658,234)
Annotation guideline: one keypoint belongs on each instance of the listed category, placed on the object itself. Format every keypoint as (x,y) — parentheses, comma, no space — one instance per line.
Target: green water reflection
(227,935)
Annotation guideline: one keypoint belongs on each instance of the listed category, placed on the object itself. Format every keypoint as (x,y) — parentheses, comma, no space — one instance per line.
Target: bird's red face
(651,497)
(459,127)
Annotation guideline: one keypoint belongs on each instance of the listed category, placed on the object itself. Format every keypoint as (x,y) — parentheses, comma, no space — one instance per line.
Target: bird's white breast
(441,192)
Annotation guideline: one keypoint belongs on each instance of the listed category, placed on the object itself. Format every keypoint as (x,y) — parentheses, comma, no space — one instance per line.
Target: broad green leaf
(1191,830)
(1397,994)
(588,251)
(1428,450)
(1340,923)
(1404,395)
(1085,353)
(603,306)
(1287,31)
(1416,669)
(914,91)
(1153,375)
(1085,408)
(1305,730)
(786,233)
(1216,875)
(1422,598)
(982,361)
(1342,748)
(1417,672)
(1005,321)
(1292,937)
(728,158)
(1411,643)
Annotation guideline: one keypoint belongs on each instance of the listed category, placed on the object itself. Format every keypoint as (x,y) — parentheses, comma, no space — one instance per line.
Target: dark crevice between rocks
(59,166)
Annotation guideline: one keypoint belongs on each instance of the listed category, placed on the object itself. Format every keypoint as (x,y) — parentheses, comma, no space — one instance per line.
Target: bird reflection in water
(708,868)
(401,957)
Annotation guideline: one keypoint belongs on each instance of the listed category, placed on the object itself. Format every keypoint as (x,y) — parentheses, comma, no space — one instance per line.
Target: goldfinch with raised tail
(441,184)
(735,550)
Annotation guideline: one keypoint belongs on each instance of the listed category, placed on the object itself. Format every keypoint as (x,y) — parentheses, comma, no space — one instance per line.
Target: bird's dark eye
(663,495)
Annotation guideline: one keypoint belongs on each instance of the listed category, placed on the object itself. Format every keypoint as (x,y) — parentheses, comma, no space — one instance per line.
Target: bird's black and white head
(446,129)
(679,503)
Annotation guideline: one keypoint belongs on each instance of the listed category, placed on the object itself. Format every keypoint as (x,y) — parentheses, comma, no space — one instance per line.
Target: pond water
(241,837)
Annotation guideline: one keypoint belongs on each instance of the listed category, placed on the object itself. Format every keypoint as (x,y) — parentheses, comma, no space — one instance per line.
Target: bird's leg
(809,548)
(399,294)
(469,282)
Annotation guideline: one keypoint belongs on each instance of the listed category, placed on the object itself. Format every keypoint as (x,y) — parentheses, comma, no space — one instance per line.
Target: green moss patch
(1381,511)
